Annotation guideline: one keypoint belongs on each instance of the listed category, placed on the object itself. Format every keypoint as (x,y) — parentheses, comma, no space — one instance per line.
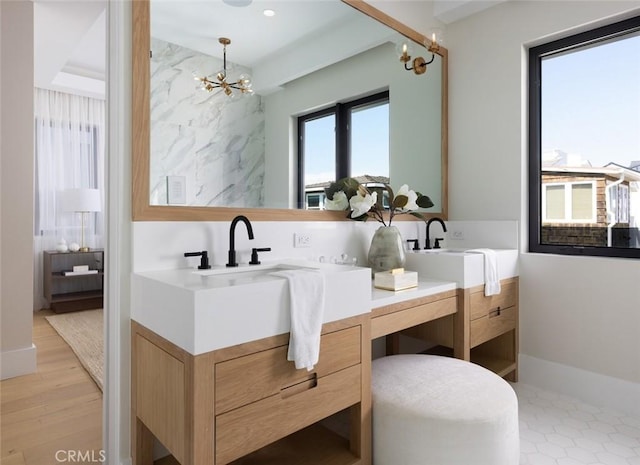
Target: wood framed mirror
(142,207)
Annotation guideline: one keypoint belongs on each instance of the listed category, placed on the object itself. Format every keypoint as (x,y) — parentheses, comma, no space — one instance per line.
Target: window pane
(319,150)
(555,203)
(584,121)
(582,202)
(370,140)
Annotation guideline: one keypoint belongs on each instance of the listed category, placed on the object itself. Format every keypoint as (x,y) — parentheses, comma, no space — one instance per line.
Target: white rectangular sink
(437,251)
(463,266)
(205,310)
(237,276)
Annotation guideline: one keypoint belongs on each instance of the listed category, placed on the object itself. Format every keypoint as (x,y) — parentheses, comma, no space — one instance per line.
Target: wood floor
(58,408)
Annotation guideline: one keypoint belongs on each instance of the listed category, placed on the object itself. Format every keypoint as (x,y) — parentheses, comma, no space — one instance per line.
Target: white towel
(306,292)
(491,279)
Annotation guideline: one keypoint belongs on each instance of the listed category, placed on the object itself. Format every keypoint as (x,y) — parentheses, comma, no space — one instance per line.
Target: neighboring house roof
(630,173)
(611,169)
(364,179)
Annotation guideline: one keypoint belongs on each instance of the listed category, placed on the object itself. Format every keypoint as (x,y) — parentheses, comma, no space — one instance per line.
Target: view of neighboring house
(315,197)
(589,206)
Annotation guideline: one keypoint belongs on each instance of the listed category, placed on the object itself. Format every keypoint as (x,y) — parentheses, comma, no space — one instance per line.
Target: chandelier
(219,81)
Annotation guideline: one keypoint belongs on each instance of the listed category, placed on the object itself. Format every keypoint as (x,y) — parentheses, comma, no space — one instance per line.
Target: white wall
(581,312)
(417,15)
(414,101)
(16,198)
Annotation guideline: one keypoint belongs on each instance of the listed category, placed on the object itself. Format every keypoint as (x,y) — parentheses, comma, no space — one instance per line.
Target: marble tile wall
(215,142)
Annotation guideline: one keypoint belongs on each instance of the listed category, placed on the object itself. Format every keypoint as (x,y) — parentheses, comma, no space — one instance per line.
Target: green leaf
(347,185)
(400,201)
(424,202)
(418,215)
(363,217)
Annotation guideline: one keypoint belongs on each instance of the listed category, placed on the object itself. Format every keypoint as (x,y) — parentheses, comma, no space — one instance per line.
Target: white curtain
(69,153)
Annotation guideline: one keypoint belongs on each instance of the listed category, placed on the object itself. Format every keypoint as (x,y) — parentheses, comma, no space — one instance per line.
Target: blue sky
(370,149)
(591,102)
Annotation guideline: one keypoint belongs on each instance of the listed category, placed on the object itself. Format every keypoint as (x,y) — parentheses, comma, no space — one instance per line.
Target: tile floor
(560,430)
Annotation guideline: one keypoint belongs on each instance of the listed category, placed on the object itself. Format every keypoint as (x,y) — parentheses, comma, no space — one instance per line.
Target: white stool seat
(432,410)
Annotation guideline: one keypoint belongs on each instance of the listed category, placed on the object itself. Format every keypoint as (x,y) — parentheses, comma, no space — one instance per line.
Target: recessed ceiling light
(269,13)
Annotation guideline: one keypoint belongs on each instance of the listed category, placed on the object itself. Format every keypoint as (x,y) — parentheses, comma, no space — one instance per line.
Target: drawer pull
(302,386)
(494,313)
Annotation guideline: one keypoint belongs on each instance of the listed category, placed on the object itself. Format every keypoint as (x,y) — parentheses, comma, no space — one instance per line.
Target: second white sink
(463,266)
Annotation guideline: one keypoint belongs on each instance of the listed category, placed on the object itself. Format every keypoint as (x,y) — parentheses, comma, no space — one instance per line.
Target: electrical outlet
(456,235)
(301,240)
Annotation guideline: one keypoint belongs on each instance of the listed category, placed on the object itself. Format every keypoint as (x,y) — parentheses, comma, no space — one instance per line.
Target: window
(584,143)
(67,156)
(569,203)
(348,139)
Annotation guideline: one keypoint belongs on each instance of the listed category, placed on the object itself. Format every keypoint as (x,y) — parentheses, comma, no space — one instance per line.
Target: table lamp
(81,201)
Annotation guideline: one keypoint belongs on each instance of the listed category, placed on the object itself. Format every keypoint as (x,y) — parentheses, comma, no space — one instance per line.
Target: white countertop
(426,287)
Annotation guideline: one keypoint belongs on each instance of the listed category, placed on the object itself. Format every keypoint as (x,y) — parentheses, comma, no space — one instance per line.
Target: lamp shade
(80,200)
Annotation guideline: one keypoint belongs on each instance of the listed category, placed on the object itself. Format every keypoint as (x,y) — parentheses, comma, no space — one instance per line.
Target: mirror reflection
(279,146)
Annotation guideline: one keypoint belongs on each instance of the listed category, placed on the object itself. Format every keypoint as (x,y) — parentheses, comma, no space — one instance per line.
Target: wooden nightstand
(66,291)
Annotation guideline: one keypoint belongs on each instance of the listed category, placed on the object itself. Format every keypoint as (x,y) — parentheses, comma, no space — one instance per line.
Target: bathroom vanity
(484,330)
(247,404)
(210,376)
(463,323)
(213,394)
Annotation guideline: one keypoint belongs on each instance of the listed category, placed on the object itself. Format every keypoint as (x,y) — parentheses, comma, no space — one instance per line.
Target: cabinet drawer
(492,325)
(256,376)
(482,305)
(246,429)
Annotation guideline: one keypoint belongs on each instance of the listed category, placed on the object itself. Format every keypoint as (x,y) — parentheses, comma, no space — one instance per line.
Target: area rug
(83,331)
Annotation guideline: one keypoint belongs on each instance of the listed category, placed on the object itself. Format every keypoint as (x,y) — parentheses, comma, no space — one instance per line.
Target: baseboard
(18,362)
(594,388)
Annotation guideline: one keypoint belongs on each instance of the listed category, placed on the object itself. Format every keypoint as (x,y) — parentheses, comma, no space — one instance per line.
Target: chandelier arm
(433,57)
(424,65)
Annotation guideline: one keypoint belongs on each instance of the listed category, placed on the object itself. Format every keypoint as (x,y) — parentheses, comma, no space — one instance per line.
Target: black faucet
(232,237)
(204,259)
(444,229)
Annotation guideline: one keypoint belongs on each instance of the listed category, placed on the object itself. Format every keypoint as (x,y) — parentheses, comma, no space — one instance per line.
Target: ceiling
(70,46)
(70,36)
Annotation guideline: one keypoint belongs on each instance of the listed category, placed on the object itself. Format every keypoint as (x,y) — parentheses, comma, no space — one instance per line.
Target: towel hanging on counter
(491,276)
(306,300)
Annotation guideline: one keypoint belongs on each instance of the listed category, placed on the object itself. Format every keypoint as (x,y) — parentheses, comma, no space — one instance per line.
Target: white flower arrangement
(364,202)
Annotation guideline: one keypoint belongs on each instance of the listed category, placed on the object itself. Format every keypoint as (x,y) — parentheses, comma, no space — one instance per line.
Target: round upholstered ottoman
(432,410)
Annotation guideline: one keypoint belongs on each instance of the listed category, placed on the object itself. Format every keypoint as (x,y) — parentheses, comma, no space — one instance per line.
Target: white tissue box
(81,268)
(395,280)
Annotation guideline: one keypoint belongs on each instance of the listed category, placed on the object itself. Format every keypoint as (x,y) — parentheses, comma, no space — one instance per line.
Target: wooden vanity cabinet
(484,330)
(493,328)
(247,404)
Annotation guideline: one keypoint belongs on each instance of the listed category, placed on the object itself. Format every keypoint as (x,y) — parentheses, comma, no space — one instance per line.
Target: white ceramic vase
(62,246)
(387,250)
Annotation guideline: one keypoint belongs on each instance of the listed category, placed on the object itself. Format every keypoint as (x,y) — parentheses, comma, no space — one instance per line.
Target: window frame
(536,55)
(342,112)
